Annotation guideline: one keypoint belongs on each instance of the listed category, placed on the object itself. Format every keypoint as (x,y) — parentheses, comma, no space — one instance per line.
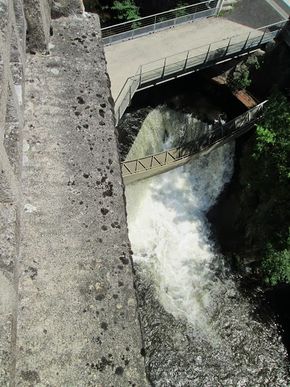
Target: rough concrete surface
(66,7)
(37,14)
(77,319)
(12,60)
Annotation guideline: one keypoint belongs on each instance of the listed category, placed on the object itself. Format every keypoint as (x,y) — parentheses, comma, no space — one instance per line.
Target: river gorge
(199,328)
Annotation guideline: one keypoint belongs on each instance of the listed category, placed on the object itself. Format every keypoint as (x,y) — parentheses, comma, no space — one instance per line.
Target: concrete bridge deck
(123,59)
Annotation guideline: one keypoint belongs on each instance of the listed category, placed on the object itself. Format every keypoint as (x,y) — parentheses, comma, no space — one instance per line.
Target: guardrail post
(140,76)
(130,94)
(219,7)
(245,45)
(209,47)
(155,19)
(262,37)
(228,46)
(186,60)
(163,71)
(119,115)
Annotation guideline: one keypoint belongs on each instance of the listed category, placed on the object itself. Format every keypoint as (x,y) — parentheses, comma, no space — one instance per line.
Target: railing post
(130,94)
(228,46)
(245,45)
(262,37)
(119,114)
(163,71)
(140,76)
(186,60)
(155,19)
(219,7)
(209,47)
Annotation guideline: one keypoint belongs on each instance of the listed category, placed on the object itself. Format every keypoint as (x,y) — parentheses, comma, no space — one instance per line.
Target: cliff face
(239,205)
(275,71)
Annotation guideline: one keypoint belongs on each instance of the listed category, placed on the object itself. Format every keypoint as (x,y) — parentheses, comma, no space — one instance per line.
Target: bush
(268,181)
(126,10)
(276,265)
(240,77)
(181,12)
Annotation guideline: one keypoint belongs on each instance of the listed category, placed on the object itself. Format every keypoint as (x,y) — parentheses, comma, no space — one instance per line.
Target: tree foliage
(126,10)
(276,265)
(267,187)
(273,138)
(240,77)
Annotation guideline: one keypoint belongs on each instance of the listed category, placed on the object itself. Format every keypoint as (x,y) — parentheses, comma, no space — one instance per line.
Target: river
(198,328)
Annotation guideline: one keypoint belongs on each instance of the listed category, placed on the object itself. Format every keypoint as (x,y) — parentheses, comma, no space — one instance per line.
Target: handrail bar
(206,45)
(153,15)
(257,109)
(139,74)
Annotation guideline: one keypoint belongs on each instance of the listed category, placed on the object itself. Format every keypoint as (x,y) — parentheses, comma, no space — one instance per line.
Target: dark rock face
(242,348)
(275,70)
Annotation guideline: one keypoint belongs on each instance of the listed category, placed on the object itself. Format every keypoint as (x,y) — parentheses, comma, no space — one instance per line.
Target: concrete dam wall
(68,310)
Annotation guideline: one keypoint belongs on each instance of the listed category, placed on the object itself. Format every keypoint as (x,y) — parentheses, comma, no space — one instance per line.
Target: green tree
(273,138)
(266,188)
(276,265)
(240,77)
(181,12)
(126,10)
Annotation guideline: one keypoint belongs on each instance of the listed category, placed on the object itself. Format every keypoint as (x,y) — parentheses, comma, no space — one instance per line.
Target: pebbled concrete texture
(12,64)
(66,7)
(37,14)
(77,312)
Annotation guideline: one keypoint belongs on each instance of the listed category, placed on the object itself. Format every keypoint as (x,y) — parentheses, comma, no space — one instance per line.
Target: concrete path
(123,59)
(77,313)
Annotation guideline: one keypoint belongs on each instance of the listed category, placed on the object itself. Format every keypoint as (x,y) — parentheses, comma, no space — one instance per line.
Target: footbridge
(161,47)
(139,169)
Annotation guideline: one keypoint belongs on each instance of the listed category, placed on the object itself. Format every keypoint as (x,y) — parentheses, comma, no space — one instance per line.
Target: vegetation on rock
(240,77)
(265,191)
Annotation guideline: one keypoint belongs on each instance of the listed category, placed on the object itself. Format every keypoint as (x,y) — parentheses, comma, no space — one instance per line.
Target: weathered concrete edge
(25,320)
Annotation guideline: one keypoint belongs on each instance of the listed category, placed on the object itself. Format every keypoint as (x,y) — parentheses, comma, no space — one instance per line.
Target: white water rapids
(170,234)
(204,333)
(166,216)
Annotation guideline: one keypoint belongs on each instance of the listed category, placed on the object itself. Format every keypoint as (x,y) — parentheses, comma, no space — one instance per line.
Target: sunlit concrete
(124,59)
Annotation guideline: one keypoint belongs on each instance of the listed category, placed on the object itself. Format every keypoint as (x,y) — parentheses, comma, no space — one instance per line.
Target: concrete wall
(12,72)
(68,311)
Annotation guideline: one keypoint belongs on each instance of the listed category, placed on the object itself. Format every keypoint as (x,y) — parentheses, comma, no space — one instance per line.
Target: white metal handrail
(150,24)
(174,155)
(188,61)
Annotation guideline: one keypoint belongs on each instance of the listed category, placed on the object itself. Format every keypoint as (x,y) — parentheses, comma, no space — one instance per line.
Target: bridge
(156,49)
(139,169)
(175,29)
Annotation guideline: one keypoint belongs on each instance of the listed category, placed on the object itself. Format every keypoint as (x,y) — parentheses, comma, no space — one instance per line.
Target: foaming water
(198,329)
(169,232)
(164,128)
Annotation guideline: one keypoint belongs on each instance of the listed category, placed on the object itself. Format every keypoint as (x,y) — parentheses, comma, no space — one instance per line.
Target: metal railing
(178,156)
(189,61)
(150,24)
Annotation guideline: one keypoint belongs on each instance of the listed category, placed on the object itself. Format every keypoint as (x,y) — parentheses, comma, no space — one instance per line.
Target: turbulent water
(198,328)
